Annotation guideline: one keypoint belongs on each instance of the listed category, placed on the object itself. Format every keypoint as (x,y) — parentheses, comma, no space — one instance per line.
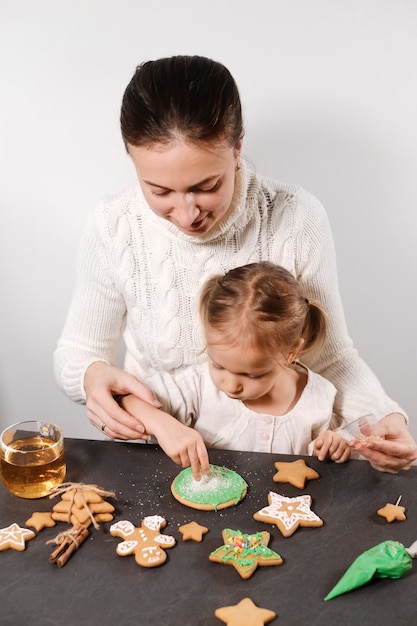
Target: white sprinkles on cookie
(219,488)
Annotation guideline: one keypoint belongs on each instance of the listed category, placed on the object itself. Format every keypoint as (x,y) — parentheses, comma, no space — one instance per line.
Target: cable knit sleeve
(96,315)
(358,390)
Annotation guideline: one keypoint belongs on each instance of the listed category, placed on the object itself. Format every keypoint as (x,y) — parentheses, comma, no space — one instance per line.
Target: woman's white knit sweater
(137,274)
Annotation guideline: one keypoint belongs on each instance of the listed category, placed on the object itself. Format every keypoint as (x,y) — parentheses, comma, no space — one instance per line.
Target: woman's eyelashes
(160,193)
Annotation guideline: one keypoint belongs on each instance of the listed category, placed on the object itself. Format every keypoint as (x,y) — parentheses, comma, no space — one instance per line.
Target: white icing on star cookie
(15,537)
(288,513)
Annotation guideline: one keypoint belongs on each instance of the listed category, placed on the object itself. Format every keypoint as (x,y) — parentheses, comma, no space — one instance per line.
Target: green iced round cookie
(218,489)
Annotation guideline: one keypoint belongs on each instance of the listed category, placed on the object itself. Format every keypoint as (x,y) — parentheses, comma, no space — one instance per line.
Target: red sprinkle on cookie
(245,552)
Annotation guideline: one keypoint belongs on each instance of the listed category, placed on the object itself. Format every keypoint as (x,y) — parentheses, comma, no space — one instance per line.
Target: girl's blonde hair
(261,304)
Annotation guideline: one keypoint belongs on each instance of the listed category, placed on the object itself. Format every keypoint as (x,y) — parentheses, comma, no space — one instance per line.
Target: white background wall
(330,99)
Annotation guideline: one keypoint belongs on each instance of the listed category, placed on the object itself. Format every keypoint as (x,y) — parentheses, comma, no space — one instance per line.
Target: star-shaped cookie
(193,531)
(245,552)
(288,513)
(38,521)
(296,473)
(14,537)
(392,512)
(245,613)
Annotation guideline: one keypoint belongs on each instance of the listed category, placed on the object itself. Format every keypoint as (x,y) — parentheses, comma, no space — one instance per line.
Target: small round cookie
(218,489)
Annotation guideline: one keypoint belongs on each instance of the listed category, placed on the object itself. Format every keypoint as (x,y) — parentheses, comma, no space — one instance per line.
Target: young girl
(252,394)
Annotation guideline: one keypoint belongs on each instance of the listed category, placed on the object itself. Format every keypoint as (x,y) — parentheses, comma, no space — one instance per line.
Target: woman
(197,211)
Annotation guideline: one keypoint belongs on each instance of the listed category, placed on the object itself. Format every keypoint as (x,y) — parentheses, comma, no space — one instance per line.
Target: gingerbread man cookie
(146,542)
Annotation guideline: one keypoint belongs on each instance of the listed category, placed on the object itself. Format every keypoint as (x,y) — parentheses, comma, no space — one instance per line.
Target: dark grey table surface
(97,586)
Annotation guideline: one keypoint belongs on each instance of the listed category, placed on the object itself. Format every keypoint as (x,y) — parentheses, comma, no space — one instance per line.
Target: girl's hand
(184,445)
(393,453)
(331,445)
(101,383)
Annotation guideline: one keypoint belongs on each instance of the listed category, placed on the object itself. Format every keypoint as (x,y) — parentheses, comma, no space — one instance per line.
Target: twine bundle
(80,489)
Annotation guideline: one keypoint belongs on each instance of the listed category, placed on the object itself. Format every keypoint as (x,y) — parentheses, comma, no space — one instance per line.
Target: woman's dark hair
(183,97)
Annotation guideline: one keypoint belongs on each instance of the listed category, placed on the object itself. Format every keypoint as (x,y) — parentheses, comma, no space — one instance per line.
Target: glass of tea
(32,458)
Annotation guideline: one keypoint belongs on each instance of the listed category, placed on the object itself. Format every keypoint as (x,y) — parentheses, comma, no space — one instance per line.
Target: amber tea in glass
(32,458)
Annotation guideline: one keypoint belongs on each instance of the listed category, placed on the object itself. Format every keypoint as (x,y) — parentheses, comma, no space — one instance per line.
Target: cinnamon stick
(68,542)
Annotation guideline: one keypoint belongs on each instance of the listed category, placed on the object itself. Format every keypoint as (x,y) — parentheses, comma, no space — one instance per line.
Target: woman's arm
(359,392)
(95,318)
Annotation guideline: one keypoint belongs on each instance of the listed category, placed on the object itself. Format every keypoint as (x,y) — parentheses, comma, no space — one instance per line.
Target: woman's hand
(330,444)
(393,453)
(101,383)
